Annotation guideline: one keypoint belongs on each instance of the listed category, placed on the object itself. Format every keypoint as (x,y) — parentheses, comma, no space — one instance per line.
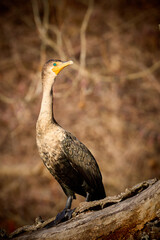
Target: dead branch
(119,217)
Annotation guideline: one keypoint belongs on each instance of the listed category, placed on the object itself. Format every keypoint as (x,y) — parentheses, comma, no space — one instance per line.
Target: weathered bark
(134,214)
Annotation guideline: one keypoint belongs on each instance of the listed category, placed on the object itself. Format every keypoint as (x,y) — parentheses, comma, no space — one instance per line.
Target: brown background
(109,98)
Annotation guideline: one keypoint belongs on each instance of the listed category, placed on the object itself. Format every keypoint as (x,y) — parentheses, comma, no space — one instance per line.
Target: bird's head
(53,67)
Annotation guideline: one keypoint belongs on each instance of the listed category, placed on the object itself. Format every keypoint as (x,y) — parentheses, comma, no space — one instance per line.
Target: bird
(67,159)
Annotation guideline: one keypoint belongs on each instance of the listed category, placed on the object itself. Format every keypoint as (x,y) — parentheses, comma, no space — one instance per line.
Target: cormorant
(67,159)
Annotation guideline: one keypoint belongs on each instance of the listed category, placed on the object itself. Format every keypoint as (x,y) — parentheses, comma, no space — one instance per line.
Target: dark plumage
(88,178)
(67,159)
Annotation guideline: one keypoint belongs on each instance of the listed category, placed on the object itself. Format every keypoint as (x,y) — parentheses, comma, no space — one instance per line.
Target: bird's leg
(69,202)
(67,212)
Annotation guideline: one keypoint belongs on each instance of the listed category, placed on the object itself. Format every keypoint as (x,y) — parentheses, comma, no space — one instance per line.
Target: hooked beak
(62,65)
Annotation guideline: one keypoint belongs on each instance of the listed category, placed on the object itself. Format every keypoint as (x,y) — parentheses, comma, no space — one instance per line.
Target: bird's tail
(97,194)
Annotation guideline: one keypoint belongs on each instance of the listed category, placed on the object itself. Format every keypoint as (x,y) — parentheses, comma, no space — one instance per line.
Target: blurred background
(109,98)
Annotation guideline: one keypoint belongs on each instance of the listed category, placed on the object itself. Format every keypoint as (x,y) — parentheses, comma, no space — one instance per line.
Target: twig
(36,15)
(5,99)
(83,35)
(45,30)
(46,15)
(34,88)
(42,26)
(59,45)
(69,47)
(141,74)
(93,75)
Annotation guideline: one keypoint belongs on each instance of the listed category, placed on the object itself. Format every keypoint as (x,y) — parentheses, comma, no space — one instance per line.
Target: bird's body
(67,159)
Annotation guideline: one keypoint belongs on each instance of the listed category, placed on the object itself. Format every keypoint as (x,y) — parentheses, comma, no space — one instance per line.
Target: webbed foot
(63,216)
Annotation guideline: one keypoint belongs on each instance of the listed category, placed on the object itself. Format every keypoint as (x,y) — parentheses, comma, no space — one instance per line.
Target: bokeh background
(109,98)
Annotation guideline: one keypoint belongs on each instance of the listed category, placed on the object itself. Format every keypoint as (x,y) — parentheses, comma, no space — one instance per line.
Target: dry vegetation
(109,98)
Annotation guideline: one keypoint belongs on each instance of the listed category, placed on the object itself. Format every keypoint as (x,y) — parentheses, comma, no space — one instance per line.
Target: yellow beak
(62,65)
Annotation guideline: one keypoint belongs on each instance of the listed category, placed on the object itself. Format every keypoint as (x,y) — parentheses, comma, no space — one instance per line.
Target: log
(134,214)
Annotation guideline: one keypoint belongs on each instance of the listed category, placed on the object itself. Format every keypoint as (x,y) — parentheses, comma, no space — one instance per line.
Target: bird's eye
(54,64)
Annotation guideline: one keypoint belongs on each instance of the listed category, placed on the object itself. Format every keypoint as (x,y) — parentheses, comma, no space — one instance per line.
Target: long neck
(46,116)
